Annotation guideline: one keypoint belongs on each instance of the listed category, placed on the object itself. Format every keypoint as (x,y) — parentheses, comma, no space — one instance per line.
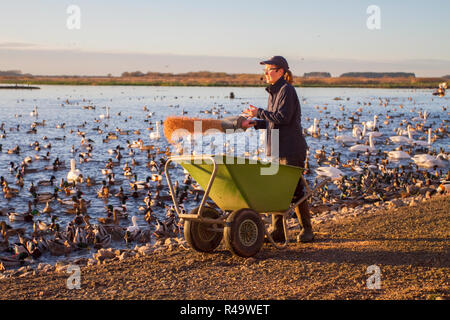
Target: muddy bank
(409,244)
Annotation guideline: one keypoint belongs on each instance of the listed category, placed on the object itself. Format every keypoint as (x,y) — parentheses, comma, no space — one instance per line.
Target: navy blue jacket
(283,113)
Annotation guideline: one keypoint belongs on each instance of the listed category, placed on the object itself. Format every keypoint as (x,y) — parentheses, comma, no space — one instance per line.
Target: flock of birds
(59,215)
(61,206)
(380,166)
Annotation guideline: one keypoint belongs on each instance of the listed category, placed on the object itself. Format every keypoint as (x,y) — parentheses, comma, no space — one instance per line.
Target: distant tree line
(378,75)
(202,74)
(13,73)
(317,75)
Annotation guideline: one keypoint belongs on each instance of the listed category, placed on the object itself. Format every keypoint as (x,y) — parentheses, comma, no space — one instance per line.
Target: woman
(283,113)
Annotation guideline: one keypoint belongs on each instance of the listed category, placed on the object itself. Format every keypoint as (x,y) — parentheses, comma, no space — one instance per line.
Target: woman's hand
(248,124)
(251,112)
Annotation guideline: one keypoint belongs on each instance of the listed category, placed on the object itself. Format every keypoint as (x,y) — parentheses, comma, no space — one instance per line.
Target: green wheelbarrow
(246,191)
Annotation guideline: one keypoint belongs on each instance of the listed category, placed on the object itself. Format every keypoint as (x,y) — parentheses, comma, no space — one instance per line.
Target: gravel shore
(409,245)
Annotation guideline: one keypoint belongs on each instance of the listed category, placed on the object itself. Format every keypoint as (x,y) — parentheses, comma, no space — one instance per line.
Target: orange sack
(203,126)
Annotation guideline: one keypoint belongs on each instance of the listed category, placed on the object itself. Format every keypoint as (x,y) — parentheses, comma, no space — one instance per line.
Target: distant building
(317,75)
(378,75)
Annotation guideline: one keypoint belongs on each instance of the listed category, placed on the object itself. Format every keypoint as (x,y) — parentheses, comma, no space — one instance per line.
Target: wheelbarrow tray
(239,183)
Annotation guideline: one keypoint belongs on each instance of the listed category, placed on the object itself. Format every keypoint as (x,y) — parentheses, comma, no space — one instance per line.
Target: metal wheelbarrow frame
(244,239)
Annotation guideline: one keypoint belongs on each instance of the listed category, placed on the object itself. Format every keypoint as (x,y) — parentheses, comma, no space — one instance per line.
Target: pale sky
(229,36)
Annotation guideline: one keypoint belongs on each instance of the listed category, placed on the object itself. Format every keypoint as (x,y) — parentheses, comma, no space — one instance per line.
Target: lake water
(63,104)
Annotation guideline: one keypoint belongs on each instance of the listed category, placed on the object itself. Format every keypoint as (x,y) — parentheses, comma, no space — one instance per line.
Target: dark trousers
(296,162)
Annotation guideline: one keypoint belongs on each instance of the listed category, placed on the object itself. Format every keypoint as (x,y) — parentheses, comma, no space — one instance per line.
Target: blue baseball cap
(278,61)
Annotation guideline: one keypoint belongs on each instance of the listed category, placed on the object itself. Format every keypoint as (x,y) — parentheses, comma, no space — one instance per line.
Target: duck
(47,208)
(7,231)
(57,247)
(80,238)
(161,230)
(140,184)
(14,216)
(108,220)
(102,241)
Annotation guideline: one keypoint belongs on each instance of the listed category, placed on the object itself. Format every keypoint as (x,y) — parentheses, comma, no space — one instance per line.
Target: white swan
(428,161)
(313,129)
(34,113)
(134,229)
(74,174)
(357,135)
(398,154)
(424,143)
(363,147)
(331,172)
(155,135)
(399,139)
(371,125)
(105,116)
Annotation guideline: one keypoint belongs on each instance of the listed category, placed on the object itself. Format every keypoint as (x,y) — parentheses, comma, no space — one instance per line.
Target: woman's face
(272,73)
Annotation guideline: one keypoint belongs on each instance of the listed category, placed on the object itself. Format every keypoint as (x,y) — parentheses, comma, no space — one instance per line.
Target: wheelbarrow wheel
(198,235)
(244,233)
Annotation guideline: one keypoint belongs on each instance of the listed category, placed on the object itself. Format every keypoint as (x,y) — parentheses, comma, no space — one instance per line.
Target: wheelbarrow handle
(208,188)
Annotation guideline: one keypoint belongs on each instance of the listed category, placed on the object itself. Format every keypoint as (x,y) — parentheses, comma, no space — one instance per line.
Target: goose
(155,135)
(363,147)
(331,172)
(74,174)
